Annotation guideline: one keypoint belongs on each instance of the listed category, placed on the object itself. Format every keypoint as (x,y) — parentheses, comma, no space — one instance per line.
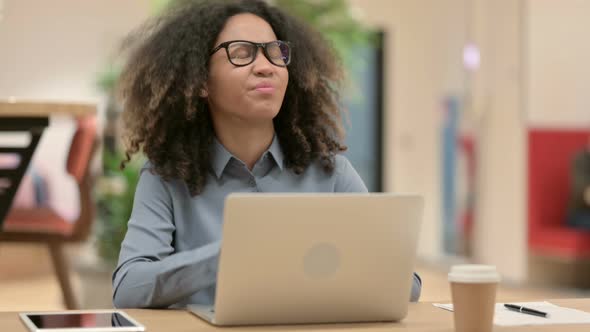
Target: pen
(525,310)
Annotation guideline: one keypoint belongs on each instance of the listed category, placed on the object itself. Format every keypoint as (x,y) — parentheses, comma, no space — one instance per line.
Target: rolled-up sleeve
(149,273)
(348,180)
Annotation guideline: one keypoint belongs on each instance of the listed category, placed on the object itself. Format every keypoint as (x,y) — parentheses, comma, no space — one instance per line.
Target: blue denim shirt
(170,253)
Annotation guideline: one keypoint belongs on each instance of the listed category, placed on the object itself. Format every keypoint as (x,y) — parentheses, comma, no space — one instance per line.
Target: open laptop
(315,258)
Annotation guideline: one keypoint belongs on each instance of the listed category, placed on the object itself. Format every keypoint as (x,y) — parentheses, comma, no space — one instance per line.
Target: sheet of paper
(556,314)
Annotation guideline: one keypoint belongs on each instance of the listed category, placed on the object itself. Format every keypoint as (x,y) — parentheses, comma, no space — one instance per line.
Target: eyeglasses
(242,52)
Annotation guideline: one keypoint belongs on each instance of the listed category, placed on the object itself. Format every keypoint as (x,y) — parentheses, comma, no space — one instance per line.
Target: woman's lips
(268,89)
(264,88)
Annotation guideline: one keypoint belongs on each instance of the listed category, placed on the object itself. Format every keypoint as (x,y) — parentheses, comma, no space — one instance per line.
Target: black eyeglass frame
(226,44)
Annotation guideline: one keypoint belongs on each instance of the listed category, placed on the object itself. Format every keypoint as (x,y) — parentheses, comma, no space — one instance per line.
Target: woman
(221,96)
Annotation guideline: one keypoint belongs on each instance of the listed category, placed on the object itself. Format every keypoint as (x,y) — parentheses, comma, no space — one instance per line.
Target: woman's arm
(150,273)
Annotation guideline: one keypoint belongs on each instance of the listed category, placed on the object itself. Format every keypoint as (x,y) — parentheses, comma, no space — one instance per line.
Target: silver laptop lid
(316,258)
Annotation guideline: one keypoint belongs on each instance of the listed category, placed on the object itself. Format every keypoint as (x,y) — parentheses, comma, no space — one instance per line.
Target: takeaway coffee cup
(473,289)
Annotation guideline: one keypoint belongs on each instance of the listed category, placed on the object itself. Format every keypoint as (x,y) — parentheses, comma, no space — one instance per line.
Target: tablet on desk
(80,321)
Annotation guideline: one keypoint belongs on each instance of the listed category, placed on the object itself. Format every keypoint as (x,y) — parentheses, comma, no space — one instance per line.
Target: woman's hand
(587,195)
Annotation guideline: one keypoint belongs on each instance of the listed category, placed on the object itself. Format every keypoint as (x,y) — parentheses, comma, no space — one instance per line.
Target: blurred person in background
(579,202)
(222,97)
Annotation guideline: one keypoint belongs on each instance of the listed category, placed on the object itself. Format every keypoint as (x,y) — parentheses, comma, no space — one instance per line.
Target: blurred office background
(479,105)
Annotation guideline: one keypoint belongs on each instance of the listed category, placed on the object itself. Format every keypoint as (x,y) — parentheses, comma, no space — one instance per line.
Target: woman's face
(249,93)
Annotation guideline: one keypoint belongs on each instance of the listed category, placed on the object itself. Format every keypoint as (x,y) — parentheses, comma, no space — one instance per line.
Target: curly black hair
(167,67)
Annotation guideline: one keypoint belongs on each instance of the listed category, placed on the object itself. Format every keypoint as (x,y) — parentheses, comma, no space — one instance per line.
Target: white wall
(54,50)
(500,227)
(558,92)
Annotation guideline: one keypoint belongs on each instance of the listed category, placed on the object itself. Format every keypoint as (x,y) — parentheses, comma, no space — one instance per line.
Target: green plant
(108,78)
(335,20)
(115,192)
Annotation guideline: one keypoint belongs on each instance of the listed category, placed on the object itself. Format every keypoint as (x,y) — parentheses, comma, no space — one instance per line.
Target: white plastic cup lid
(474,273)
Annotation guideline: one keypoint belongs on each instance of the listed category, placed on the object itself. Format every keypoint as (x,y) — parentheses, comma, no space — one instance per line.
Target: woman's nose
(262,66)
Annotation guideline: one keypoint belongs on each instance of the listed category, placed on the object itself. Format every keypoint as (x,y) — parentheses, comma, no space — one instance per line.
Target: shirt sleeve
(149,273)
(348,180)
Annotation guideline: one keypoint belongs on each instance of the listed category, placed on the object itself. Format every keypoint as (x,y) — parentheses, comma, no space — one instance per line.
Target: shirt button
(252,182)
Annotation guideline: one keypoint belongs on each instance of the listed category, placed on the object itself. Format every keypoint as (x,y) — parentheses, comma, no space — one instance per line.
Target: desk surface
(30,108)
(422,317)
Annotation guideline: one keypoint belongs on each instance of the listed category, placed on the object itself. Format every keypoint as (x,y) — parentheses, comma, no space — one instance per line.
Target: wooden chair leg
(62,272)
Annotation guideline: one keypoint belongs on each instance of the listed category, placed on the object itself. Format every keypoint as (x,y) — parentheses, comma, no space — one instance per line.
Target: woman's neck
(246,143)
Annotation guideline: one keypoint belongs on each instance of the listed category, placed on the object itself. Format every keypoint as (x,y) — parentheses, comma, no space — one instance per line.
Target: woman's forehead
(246,27)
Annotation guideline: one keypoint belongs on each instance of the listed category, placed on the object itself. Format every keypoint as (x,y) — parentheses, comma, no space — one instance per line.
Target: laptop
(315,258)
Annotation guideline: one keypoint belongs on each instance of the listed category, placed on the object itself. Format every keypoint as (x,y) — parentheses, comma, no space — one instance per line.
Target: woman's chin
(265,114)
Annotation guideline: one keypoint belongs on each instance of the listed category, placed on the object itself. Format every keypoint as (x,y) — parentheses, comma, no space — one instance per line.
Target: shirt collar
(221,156)
(276,152)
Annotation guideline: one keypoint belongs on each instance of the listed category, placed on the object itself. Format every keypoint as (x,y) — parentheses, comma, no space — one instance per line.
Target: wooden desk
(422,317)
(30,117)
